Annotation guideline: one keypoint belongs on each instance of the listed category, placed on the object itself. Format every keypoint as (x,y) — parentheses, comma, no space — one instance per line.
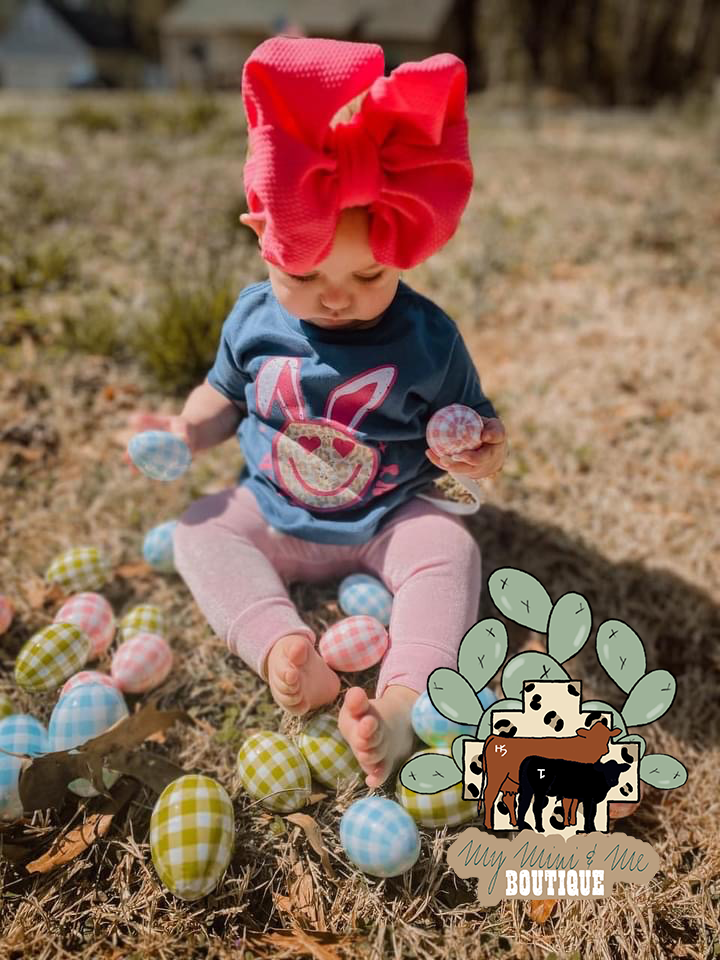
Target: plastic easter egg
(380,837)
(6,707)
(81,568)
(159,454)
(85,712)
(273,770)
(93,614)
(141,663)
(144,618)
(453,429)
(362,594)
(192,835)
(51,656)
(19,733)
(87,676)
(7,611)
(437,730)
(327,752)
(436,809)
(158,549)
(354,643)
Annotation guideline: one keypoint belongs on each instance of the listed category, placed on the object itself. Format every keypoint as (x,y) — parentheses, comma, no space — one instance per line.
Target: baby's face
(347,289)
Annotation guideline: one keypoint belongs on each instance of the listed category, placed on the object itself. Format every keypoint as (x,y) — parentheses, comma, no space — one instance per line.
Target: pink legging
(238,568)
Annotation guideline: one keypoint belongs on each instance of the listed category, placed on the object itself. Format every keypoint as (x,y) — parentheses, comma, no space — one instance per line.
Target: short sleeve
(462,383)
(227,375)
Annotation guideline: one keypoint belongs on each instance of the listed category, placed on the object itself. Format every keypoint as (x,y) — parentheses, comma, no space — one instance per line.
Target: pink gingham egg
(454,429)
(141,663)
(354,643)
(87,676)
(93,614)
(6,613)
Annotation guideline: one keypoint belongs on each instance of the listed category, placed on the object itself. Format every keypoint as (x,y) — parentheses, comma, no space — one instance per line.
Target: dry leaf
(131,570)
(40,594)
(312,832)
(319,944)
(540,910)
(302,899)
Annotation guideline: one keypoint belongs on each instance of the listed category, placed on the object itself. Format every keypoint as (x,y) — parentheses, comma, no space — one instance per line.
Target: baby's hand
(485,461)
(143,420)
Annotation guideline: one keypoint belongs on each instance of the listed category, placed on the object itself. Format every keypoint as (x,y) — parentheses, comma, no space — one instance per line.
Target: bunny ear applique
(353,400)
(278,380)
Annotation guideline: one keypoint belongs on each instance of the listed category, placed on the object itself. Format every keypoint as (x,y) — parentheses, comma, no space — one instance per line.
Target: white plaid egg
(144,618)
(436,809)
(354,643)
(81,568)
(273,770)
(158,549)
(141,663)
(6,613)
(6,707)
(192,835)
(380,837)
(93,614)
(19,733)
(453,429)
(51,656)
(437,730)
(327,752)
(87,676)
(362,594)
(159,454)
(86,711)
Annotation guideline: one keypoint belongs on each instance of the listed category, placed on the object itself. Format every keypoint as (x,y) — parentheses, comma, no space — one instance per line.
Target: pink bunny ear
(279,379)
(352,401)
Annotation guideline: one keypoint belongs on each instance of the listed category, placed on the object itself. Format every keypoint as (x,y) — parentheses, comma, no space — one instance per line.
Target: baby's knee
(458,543)
(194,524)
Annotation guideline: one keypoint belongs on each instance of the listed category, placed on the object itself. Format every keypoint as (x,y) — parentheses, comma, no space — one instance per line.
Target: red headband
(404,154)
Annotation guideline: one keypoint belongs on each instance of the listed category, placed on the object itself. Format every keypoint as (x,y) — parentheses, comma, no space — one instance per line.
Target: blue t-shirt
(334,437)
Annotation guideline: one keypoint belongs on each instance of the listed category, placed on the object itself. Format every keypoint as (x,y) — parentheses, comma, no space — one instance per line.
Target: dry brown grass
(585,280)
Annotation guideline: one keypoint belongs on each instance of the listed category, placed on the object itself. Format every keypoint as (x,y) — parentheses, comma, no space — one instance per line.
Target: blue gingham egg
(19,733)
(80,568)
(159,454)
(158,549)
(436,730)
(436,809)
(50,656)
(86,711)
(380,837)
(360,593)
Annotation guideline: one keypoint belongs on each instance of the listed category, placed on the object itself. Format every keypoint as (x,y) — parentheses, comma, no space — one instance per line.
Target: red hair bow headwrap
(404,154)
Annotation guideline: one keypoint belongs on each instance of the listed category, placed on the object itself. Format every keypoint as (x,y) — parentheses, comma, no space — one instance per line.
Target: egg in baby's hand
(380,837)
(51,656)
(354,643)
(93,614)
(436,809)
(141,663)
(273,770)
(159,454)
(453,429)
(80,568)
(192,835)
(86,711)
(359,593)
(19,733)
(327,752)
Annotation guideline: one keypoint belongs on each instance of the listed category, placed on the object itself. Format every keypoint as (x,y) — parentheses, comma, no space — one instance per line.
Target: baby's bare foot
(378,731)
(298,677)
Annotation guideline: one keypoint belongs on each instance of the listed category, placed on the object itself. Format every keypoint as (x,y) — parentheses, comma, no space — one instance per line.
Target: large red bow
(404,154)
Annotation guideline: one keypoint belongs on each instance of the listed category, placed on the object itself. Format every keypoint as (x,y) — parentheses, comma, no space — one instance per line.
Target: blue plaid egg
(362,594)
(82,713)
(380,837)
(159,454)
(436,730)
(19,733)
(158,547)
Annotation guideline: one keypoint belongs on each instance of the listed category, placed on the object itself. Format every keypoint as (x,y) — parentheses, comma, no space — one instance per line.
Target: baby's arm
(210,417)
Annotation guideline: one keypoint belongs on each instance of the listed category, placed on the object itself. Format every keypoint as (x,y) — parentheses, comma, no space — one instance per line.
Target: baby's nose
(335,299)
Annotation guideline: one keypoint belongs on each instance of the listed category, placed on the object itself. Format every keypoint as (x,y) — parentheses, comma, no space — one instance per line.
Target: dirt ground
(585,280)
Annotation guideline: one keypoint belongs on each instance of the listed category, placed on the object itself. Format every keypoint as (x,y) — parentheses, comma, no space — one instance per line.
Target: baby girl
(329,371)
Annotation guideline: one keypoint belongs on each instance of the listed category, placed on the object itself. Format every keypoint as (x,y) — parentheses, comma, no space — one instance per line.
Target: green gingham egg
(145,618)
(6,707)
(192,835)
(81,568)
(273,770)
(51,656)
(327,752)
(436,809)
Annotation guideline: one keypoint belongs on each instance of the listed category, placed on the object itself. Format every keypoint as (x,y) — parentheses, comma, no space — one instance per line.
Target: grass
(584,280)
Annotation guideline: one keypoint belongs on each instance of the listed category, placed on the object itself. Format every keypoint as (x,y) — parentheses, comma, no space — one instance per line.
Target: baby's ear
(255,222)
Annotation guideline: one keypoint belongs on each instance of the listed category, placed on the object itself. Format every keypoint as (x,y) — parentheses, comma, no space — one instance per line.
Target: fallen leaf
(312,832)
(540,910)
(40,594)
(130,571)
